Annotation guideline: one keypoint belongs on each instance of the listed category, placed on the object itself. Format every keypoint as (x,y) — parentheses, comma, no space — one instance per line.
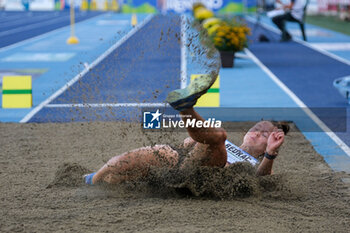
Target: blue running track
(145,63)
(308,73)
(18,26)
(142,70)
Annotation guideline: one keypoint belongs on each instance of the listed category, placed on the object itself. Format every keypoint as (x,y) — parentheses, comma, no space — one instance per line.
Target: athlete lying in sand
(206,146)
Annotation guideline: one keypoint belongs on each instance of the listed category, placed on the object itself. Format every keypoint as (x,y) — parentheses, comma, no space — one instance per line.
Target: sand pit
(41,190)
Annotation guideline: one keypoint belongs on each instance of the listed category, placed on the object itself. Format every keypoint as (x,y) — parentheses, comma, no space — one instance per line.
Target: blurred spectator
(294,12)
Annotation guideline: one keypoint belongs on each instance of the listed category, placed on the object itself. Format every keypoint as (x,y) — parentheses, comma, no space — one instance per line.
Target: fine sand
(42,191)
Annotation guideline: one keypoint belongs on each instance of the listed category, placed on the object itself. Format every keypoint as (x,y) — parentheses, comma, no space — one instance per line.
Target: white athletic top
(297,10)
(236,154)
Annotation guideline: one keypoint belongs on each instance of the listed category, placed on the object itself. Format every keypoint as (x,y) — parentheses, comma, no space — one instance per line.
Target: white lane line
(107,105)
(242,55)
(301,104)
(320,50)
(32,26)
(332,46)
(183,82)
(18,16)
(87,69)
(40,17)
(25,28)
(32,39)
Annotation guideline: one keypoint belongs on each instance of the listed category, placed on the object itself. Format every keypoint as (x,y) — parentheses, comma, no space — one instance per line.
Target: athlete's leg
(210,149)
(203,135)
(135,164)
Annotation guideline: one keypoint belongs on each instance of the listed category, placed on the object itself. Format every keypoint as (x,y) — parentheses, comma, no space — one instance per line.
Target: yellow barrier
(133,20)
(93,5)
(212,97)
(115,5)
(17,92)
(72,39)
(84,5)
(106,5)
(111,5)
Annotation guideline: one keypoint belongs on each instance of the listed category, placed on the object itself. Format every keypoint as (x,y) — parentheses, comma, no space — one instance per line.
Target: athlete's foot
(88,178)
(181,99)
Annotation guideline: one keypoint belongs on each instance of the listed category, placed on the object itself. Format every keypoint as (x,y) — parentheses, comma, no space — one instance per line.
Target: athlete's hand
(274,142)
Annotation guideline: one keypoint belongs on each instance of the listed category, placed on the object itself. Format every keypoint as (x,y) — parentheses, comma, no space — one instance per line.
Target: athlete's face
(256,137)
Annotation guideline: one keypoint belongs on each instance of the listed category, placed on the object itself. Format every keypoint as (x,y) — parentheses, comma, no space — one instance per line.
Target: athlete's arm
(265,167)
(274,142)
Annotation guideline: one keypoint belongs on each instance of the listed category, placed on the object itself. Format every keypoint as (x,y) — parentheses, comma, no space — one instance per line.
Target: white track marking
(87,69)
(332,46)
(242,56)
(85,105)
(320,50)
(25,28)
(183,83)
(300,103)
(32,39)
